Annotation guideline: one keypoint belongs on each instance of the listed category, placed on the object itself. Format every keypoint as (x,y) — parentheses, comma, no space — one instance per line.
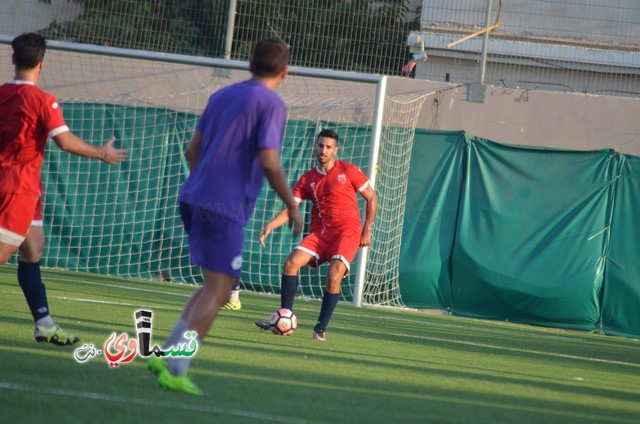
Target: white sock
(234,297)
(45,322)
(178,366)
(176,334)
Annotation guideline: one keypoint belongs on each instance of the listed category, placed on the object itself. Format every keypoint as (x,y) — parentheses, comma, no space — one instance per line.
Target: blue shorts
(215,243)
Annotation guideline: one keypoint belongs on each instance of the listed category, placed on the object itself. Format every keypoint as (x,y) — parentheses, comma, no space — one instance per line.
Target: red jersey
(335,204)
(29,117)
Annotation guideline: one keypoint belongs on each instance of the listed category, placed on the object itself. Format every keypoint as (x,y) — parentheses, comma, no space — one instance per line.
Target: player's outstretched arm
(370,214)
(270,162)
(71,143)
(277,222)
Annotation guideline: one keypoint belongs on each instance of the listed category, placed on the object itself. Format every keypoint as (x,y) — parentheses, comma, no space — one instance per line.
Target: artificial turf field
(377,365)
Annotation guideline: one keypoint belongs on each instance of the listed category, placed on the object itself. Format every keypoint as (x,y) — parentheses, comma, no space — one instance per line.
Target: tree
(169,26)
(356,35)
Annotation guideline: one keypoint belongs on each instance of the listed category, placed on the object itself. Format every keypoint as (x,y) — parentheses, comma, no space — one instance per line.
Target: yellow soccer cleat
(232,306)
(54,335)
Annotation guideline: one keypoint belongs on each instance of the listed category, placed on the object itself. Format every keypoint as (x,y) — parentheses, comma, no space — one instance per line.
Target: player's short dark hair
(270,57)
(329,133)
(28,50)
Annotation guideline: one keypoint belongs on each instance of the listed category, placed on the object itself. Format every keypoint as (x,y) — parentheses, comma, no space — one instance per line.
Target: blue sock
(288,290)
(329,303)
(33,289)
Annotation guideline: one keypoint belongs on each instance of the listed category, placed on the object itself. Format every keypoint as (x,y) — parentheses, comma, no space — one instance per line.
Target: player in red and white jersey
(333,194)
(29,117)
(336,230)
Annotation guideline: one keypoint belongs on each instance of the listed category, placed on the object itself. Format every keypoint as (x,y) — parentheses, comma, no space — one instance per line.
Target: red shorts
(17,213)
(342,245)
(37,215)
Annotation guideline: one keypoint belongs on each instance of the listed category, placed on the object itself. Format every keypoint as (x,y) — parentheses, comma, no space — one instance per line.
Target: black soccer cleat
(263,324)
(319,335)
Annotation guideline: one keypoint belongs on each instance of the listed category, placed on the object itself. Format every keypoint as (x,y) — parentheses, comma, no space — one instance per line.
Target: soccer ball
(283,322)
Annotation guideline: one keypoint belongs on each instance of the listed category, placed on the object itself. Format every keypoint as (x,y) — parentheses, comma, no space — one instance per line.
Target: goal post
(125,221)
(361,272)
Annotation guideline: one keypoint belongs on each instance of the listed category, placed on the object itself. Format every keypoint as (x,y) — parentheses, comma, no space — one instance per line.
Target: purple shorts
(215,243)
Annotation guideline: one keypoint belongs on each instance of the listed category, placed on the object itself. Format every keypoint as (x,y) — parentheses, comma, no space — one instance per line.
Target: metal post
(485,43)
(231,22)
(378,114)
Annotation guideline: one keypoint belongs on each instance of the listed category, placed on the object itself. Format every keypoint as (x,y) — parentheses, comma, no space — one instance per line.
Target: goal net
(124,220)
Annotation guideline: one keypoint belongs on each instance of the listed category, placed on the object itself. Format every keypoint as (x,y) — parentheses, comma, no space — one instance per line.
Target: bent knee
(335,275)
(291,267)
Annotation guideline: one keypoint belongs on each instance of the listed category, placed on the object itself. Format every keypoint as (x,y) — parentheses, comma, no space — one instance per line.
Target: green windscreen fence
(621,293)
(537,236)
(431,211)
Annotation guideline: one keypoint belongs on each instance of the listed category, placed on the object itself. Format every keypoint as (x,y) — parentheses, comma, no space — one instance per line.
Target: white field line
(129,400)
(513,349)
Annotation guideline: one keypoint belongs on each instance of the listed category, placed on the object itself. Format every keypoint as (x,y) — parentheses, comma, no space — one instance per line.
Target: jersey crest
(342,178)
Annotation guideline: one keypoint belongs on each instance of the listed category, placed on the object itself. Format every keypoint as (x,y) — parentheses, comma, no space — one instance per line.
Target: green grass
(377,365)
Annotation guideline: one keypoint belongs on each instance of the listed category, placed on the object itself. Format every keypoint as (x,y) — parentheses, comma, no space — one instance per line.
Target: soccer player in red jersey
(29,117)
(336,231)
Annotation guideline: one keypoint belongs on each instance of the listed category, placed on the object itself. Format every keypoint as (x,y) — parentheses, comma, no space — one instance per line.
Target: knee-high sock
(178,366)
(33,289)
(329,302)
(176,333)
(288,290)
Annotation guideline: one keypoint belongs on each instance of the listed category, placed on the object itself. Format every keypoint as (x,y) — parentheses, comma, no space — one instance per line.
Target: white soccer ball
(283,322)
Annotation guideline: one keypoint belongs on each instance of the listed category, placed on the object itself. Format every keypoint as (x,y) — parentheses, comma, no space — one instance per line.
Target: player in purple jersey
(235,145)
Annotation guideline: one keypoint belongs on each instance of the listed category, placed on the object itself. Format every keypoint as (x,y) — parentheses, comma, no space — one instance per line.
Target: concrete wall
(508,115)
(529,117)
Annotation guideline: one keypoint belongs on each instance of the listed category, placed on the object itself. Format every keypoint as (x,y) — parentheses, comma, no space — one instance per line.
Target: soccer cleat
(178,384)
(320,335)
(54,335)
(263,324)
(232,306)
(156,364)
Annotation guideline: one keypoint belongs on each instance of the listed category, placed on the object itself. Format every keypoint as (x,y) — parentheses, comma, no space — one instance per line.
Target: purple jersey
(237,123)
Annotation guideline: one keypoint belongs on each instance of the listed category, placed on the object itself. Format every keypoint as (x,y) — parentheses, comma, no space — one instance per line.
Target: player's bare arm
(193,150)
(371,200)
(277,222)
(71,143)
(270,162)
